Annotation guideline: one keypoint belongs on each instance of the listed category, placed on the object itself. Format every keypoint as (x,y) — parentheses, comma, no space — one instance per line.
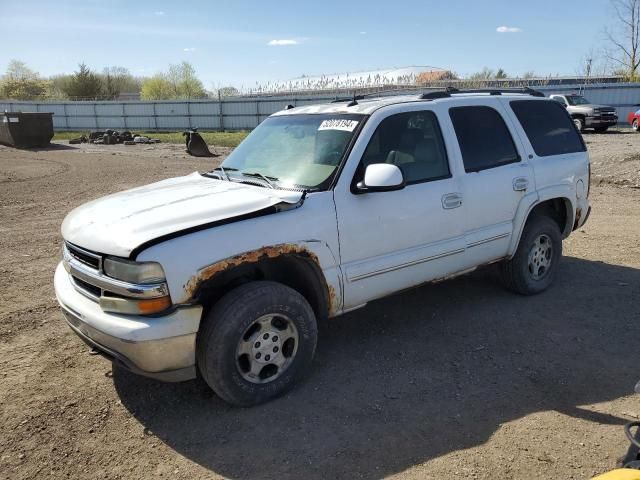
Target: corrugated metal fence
(245,113)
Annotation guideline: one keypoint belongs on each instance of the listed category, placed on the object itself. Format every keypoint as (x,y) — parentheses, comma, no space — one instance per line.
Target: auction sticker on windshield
(338,124)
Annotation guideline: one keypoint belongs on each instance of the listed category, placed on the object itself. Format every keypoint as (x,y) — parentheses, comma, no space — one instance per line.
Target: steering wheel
(330,158)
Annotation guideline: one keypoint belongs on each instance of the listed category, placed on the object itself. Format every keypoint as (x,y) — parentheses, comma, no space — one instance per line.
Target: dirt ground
(456,380)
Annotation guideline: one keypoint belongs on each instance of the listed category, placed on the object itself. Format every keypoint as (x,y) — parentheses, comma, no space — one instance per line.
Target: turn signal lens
(153,305)
(135,307)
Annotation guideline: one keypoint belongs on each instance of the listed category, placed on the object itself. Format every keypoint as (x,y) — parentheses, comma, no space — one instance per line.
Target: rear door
(497,175)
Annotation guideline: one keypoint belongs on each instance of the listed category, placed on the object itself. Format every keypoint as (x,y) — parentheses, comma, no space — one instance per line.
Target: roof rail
(348,99)
(491,91)
(439,93)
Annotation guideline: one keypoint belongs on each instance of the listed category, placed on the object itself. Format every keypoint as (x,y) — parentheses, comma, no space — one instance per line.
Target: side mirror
(381,177)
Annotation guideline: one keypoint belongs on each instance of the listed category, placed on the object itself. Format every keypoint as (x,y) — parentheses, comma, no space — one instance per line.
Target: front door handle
(451,200)
(520,184)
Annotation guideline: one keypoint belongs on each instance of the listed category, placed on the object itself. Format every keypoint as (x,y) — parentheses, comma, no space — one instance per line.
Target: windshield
(577,100)
(294,151)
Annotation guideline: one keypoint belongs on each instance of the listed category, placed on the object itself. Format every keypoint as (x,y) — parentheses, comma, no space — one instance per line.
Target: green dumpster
(25,130)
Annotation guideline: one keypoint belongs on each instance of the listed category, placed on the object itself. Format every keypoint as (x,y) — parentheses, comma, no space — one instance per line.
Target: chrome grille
(88,258)
(85,269)
(89,290)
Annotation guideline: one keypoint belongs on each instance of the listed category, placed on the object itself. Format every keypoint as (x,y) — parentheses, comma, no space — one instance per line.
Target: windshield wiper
(267,179)
(224,171)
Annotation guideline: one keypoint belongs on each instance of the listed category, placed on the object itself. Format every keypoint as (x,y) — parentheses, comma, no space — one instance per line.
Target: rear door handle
(451,200)
(520,184)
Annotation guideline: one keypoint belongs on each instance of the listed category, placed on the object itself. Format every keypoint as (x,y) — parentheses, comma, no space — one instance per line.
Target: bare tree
(625,37)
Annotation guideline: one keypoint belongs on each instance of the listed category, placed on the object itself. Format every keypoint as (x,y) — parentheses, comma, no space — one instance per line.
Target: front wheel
(579,123)
(535,263)
(256,342)
(635,125)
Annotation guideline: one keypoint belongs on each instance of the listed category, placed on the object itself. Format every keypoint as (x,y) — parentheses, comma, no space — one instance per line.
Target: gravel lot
(456,380)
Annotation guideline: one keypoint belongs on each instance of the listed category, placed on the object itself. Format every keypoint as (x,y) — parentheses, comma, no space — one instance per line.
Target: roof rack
(348,99)
(447,92)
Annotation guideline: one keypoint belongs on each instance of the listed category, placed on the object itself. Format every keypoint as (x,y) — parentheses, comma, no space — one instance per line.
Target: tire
(635,125)
(601,129)
(528,273)
(229,329)
(579,123)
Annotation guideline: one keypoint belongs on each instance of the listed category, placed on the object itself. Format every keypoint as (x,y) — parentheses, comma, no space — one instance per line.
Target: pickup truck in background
(586,114)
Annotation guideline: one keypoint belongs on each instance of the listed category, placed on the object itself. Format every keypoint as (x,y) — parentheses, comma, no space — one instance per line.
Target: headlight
(133,272)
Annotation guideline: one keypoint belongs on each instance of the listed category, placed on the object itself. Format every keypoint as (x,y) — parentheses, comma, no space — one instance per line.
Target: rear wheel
(635,125)
(256,342)
(533,267)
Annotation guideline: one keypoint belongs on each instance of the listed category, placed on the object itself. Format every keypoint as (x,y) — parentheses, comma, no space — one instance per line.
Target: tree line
(180,81)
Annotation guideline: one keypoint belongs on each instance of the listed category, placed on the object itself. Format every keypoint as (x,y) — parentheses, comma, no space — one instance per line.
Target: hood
(590,106)
(118,223)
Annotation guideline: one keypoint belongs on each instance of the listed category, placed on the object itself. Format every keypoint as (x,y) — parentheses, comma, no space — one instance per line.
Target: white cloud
(505,29)
(189,49)
(363,33)
(160,13)
(278,43)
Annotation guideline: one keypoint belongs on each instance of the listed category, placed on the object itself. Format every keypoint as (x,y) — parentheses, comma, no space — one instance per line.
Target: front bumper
(158,347)
(601,121)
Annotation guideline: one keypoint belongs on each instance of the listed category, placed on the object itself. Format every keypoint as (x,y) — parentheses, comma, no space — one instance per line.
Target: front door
(394,240)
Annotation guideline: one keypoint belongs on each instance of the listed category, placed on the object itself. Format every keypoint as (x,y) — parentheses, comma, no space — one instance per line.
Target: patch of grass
(220,139)
(67,135)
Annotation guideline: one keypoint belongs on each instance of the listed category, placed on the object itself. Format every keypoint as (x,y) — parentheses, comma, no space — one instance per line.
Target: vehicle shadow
(52,147)
(415,376)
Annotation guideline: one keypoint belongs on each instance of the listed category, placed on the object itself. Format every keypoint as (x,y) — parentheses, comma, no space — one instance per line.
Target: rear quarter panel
(556,176)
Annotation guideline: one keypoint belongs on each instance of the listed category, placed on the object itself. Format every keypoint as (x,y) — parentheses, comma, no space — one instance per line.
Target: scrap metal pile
(113,137)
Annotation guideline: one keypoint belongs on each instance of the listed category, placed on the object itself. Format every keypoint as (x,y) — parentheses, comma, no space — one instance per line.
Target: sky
(240,42)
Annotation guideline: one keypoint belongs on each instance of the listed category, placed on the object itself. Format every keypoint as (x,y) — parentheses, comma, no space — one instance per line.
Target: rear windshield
(548,127)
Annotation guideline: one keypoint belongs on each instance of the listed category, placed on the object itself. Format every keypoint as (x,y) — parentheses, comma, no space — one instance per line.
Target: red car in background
(634,119)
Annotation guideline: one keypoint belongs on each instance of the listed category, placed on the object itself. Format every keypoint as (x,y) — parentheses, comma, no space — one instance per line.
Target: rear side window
(548,127)
(485,141)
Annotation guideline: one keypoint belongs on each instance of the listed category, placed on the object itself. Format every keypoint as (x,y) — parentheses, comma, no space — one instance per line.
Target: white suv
(319,211)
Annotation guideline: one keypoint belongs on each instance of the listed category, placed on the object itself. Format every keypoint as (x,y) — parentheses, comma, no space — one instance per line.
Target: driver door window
(413,142)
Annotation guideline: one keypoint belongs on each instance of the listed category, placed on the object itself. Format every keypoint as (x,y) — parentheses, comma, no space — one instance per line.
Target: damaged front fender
(316,252)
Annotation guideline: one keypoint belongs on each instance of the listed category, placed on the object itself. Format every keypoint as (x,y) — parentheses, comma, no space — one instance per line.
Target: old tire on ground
(579,123)
(535,263)
(635,125)
(601,129)
(256,342)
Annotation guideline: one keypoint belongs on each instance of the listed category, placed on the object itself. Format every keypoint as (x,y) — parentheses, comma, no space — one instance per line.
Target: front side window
(413,142)
(484,139)
(577,100)
(294,151)
(548,127)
